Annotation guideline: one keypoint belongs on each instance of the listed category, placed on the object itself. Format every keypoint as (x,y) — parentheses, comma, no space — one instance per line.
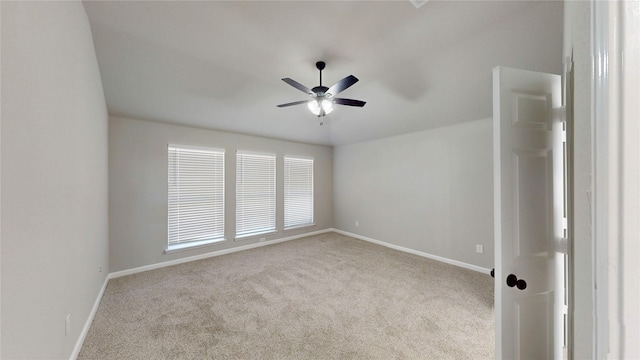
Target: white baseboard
(87,324)
(118,274)
(416,252)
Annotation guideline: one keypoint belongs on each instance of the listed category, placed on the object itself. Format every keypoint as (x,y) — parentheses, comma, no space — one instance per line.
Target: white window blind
(196,196)
(255,193)
(298,192)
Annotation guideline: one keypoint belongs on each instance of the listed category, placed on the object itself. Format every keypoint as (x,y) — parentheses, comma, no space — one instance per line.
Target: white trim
(600,158)
(190,245)
(256,153)
(629,196)
(87,324)
(303,157)
(616,159)
(197,148)
(195,173)
(117,274)
(416,252)
(298,227)
(256,179)
(140,269)
(299,193)
(254,235)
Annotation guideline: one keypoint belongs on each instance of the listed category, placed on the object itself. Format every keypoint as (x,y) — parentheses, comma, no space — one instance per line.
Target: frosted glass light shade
(327,106)
(324,105)
(314,107)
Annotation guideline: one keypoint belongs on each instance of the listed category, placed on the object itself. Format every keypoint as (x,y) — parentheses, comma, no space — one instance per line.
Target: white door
(528,206)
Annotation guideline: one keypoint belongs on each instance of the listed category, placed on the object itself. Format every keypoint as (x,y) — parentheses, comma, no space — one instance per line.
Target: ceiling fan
(322,97)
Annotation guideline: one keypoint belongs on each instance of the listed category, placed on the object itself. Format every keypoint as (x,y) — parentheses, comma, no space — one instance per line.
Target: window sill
(297,227)
(191,245)
(253,235)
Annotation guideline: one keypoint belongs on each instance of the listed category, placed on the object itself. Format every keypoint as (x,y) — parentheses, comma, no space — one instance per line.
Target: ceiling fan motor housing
(320,91)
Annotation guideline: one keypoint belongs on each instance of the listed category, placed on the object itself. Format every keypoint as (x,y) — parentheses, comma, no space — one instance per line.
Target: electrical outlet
(100,268)
(262,239)
(357,223)
(67,325)
(479,249)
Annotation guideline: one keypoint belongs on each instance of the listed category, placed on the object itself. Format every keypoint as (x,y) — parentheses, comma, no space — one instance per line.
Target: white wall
(430,191)
(54,178)
(577,40)
(138,187)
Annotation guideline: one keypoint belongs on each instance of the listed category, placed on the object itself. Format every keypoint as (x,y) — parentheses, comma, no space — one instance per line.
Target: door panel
(531,109)
(531,170)
(527,157)
(536,310)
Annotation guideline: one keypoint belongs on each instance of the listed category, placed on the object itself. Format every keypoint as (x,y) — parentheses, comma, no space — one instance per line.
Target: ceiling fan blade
(342,85)
(298,86)
(349,102)
(294,103)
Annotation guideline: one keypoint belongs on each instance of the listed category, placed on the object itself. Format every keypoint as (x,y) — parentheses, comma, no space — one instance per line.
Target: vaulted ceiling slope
(218,64)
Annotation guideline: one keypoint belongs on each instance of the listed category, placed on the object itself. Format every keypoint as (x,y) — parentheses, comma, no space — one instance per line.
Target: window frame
(309,198)
(246,229)
(216,190)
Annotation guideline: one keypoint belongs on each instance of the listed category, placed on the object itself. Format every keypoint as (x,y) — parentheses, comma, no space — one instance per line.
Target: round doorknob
(513,280)
(521,284)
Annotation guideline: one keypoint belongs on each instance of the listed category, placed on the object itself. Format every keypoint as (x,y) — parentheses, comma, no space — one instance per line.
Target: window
(196,196)
(298,192)
(255,194)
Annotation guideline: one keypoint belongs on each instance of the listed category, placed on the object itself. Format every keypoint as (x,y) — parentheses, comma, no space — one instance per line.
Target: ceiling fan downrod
(320,66)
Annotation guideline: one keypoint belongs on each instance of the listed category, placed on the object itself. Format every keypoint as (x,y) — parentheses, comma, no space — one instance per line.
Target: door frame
(616,178)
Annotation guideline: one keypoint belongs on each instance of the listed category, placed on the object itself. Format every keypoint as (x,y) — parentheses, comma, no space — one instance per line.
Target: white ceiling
(218,64)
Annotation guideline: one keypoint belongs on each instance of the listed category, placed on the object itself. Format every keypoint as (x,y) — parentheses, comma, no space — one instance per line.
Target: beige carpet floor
(322,297)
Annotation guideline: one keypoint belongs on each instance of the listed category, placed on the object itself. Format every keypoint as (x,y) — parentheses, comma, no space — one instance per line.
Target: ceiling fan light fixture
(320,107)
(327,106)
(314,107)
(322,97)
